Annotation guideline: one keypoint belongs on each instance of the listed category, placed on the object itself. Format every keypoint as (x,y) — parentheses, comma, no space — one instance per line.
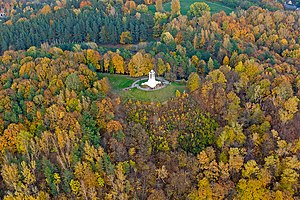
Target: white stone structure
(151,81)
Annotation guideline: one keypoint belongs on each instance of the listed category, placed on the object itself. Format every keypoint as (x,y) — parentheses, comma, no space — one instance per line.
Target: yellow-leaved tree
(193,82)
(118,63)
(140,64)
(45,10)
(125,37)
(93,57)
(175,7)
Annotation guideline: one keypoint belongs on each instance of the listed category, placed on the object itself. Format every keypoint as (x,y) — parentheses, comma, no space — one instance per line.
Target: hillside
(229,129)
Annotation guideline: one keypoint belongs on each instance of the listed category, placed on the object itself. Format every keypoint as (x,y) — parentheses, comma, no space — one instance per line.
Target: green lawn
(119,82)
(153,96)
(185,6)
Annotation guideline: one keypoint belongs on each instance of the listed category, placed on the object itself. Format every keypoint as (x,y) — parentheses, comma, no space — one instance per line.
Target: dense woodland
(65,135)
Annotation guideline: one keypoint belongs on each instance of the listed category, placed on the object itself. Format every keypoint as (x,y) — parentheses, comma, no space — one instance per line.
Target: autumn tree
(129,6)
(226,60)
(140,64)
(63,135)
(210,64)
(204,191)
(84,3)
(125,38)
(168,39)
(93,57)
(231,135)
(233,107)
(193,82)
(118,63)
(142,8)
(45,10)
(161,67)
(61,3)
(175,7)
(159,6)
(290,108)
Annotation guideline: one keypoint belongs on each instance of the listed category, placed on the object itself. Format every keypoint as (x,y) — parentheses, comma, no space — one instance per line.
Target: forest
(66,134)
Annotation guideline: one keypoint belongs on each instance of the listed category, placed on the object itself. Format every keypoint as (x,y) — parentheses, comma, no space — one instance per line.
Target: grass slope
(153,96)
(185,6)
(119,82)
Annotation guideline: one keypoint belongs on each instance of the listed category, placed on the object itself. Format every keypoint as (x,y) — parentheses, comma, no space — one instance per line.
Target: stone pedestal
(151,81)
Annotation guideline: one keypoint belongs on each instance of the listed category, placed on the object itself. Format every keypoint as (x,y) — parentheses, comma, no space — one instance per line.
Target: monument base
(151,83)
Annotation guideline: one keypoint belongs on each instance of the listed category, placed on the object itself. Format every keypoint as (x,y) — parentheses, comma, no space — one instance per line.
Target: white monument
(151,81)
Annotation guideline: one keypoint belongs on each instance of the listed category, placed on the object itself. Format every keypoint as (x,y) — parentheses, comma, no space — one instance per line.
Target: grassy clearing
(153,96)
(117,82)
(185,6)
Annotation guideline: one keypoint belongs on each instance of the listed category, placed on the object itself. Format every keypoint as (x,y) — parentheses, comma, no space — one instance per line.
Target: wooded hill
(233,135)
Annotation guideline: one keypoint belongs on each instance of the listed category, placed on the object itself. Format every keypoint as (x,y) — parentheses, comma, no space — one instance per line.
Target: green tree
(197,9)
(210,64)
(161,67)
(73,82)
